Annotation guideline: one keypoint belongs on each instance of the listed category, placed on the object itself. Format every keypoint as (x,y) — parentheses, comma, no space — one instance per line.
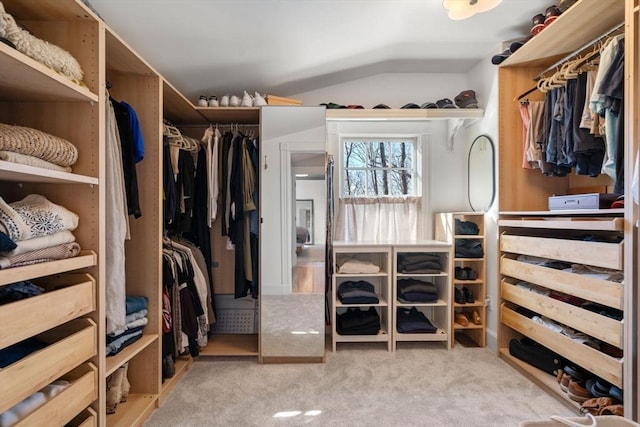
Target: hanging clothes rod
(578,51)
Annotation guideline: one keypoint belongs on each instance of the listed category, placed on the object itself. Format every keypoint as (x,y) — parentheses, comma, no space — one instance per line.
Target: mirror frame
(493,171)
(306,205)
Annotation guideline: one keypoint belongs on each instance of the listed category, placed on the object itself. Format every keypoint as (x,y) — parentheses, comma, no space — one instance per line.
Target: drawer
(599,254)
(593,324)
(66,297)
(71,345)
(595,290)
(87,418)
(600,364)
(65,406)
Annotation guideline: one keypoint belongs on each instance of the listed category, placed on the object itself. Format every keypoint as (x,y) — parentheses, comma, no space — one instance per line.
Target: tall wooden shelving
(70,312)
(523,192)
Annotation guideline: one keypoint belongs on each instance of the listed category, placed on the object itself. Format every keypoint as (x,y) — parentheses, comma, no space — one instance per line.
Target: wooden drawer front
(596,290)
(593,324)
(607,255)
(69,403)
(87,418)
(53,308)
(598,363)
(72,344)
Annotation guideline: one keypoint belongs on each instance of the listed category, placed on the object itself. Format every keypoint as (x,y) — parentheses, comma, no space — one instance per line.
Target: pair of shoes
(596,405)
(540,21)
(465,273)
(499,58)
(462,319)
(459,296)
(213,101)
(578,392)
(445,103)
(229,101)
(247,100)
(466,99)
(202,101)
(259,100)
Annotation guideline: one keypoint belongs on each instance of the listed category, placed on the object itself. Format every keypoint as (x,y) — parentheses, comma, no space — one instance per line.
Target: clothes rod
(577,51)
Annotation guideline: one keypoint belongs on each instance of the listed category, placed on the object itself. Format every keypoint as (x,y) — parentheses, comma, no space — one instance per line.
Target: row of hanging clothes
(207,180)
(580,123)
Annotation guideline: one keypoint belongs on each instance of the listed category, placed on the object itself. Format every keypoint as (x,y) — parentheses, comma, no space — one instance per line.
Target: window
(380,188)
(378,167)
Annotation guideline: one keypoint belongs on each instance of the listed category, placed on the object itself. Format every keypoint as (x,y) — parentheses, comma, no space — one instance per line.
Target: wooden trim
(287,359)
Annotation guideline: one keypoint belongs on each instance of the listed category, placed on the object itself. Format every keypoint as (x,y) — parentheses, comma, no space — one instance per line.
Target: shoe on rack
(462,319)
(461,274)
(537,23)
(459,297)
(551,14)
(247,100)
(259,100)
(202,101)
(470,273)
(224,101)
(577,392)
(126,386)
(213,101)
(468,295)
(564,381)
(613,410)
(596,405)
(234,101)
(475,316)
(114,389)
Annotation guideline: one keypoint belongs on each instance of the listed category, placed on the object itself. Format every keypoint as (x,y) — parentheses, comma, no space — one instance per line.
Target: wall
(484,79)
(315,190)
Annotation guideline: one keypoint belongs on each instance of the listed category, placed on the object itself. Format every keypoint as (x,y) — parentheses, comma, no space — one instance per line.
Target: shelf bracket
(453,126)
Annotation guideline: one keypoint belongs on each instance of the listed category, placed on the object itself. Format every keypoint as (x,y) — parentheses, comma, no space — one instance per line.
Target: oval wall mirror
(481,174)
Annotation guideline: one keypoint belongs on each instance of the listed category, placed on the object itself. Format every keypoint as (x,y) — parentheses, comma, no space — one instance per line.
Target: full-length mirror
(481,174)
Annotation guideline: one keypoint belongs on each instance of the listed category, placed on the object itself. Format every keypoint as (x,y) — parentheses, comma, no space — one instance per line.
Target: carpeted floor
(421,384)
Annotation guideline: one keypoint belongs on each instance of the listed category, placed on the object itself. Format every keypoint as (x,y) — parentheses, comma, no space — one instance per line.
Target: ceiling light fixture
(463,9)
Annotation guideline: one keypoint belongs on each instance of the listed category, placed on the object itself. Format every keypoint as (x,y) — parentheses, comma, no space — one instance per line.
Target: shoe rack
(468,276)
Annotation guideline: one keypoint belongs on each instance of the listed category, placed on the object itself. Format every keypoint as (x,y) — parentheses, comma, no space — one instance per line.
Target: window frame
(417,166)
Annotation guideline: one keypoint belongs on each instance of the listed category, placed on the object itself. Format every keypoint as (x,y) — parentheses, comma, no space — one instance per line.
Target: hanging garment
(116,221)
(588,148)
(123,116)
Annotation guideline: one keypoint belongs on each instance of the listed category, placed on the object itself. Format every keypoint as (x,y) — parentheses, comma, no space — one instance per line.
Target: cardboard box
(279,100)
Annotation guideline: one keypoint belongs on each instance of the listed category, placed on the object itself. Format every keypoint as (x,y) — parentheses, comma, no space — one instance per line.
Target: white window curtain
(379,219)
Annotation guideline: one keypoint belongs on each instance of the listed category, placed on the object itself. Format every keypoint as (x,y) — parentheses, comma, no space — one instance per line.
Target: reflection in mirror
(481,174)
(304,222)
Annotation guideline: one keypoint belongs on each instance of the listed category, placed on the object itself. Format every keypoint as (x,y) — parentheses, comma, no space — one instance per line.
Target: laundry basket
(589,420)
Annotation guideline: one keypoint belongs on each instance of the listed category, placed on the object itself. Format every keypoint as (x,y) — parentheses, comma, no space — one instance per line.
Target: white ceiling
(286,47)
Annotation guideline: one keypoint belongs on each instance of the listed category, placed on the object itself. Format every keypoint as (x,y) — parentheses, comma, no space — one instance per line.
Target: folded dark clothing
(127,342)
(413,321)
(355,320)
(415,285)
(466,227)
(18,291)
(360,292)
(111,339)
(370,330)
(469,248)
(421,271)
(432,265)
(15,352)
(417,297)
(404,259)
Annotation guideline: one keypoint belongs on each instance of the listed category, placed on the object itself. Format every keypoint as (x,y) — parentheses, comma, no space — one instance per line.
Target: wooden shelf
(569,32)
(134,411)
(24,79)
(383,303)
(177,109)
(231,345)
(441,274)
(16,172)
(181,368)
(381,336)
(439,303)
(567,212)
(18,274)
(405,114)
(49,10)
(440,335)
(121,58)
(128,353)
(595,224)
(222,115)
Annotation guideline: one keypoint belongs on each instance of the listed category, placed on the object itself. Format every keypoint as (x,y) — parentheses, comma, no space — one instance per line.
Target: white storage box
(582,201)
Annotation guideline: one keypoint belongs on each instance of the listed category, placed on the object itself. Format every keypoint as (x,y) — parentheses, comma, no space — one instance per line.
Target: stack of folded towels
(35,230)
(136,320)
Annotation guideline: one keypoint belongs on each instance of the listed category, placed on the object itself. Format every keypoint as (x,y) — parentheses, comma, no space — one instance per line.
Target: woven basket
(38,144)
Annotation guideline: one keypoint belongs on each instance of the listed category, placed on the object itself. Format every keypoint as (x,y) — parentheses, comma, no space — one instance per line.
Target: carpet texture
(421,384)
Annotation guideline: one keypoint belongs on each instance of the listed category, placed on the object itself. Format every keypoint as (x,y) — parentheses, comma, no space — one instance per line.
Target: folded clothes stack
(358,322)
(360,292)
(413,321)
(136,320)
(413,290)
(419,263)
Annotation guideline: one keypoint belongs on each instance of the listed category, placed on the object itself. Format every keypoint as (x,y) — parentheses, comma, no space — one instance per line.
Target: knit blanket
(64,251)
(24,159)
(34,216)
(33,142)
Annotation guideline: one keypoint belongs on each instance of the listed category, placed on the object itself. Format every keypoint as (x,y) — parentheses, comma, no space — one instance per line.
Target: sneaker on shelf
(247,100)
(259,100)
(224,101)
(234,101)
(202,101)
(213,101)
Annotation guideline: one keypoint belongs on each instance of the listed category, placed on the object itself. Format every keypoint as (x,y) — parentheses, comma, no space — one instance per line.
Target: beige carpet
(360,385)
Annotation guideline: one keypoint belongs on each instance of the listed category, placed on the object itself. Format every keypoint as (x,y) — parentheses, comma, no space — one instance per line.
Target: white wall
(316,191)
